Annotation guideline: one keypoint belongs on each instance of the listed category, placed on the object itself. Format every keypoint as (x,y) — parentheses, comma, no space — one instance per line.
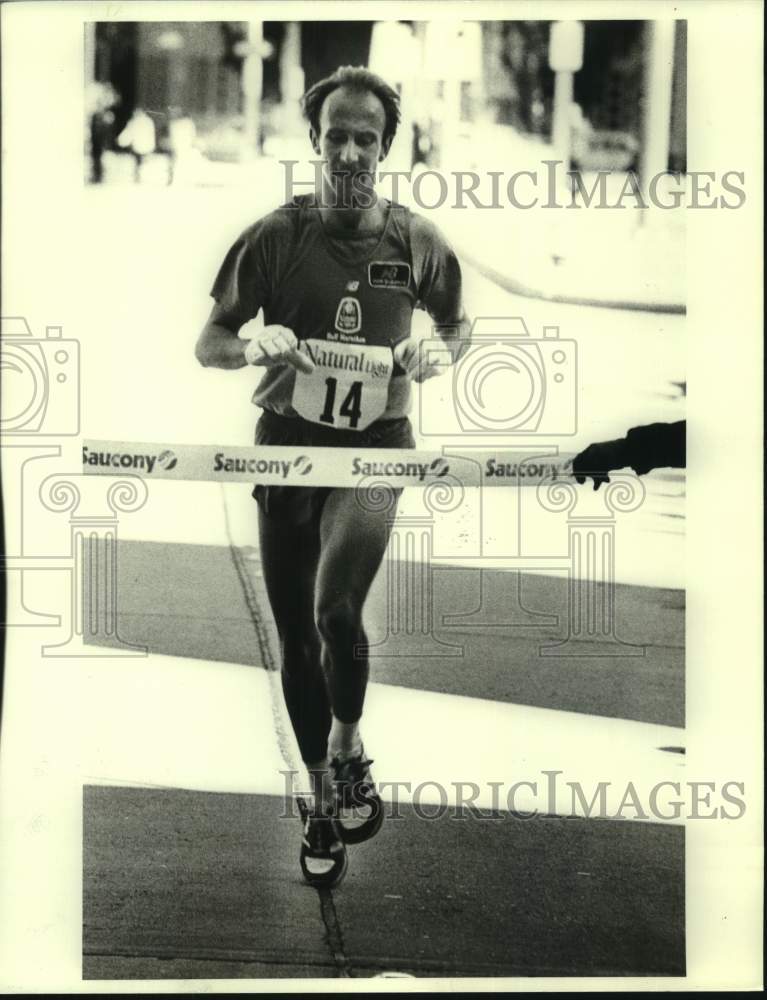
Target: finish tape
(274,465)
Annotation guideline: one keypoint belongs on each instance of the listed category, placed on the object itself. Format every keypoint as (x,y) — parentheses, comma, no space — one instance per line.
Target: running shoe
(358,806)
(323,851)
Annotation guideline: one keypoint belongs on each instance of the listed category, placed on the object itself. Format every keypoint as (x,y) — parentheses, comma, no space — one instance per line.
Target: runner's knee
(299,653)
(339,620)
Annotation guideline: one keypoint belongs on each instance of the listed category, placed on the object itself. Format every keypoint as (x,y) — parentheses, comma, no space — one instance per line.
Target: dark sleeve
(657,446)
(241,286)
(437,273)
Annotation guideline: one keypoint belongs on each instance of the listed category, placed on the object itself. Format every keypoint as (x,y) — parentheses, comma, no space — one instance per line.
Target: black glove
(599,459)
(653,446)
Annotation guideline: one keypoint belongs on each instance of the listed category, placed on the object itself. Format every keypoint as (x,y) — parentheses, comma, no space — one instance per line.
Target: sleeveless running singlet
(349,301)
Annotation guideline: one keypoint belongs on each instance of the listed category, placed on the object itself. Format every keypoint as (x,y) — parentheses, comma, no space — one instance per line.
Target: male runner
(337,274)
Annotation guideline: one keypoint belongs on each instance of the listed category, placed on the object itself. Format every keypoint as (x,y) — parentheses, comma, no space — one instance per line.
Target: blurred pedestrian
(422,143)
(182,136)
(102,98)
(140,138)
(581,132)
(653,446)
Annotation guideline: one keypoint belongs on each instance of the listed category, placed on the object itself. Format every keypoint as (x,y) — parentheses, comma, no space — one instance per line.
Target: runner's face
(351,143)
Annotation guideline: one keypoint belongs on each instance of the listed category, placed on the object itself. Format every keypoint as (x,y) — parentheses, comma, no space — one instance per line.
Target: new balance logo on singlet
(388,274)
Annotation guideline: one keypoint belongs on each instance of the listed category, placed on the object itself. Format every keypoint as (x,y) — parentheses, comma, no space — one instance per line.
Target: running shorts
(299,504)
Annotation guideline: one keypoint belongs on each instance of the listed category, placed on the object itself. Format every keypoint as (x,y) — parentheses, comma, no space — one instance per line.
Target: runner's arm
(441,288)
(220,346)
(425,359)
(451,329)
(240,291)
(455,335)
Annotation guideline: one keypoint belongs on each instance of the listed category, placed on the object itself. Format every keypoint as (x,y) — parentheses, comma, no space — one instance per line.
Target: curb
(517,287)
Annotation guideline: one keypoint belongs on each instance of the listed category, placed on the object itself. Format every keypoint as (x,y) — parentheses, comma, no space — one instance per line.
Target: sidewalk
(575,257)
(615,257)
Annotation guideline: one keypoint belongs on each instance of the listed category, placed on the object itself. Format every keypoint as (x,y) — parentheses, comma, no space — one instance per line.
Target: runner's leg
(289,557)
(354,541)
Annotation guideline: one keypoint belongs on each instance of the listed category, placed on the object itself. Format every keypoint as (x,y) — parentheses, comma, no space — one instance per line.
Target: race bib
(349,387)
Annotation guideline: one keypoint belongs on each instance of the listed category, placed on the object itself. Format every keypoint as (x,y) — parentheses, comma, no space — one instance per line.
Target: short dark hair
(356,78)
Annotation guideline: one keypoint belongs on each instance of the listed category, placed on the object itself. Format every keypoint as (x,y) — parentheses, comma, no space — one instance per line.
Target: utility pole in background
(291,79)
(452,57)
(565,58)
(395,55)
(252,88)
(656,100)
(90,54)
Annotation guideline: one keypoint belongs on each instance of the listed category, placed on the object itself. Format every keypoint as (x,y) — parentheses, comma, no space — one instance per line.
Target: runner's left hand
(422,360)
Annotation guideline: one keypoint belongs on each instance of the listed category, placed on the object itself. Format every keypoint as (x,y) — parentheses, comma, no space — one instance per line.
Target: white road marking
(166,730)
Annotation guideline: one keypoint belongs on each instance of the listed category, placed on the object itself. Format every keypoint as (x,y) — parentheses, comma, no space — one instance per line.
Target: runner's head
(353,117)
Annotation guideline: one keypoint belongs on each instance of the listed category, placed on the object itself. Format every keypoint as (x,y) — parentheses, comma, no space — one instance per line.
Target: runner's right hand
(277,345)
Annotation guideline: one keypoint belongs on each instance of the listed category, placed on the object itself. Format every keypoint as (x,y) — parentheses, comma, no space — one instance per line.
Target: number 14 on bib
(349,387)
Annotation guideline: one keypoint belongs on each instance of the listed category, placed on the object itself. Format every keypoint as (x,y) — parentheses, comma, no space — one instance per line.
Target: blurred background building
(228,91)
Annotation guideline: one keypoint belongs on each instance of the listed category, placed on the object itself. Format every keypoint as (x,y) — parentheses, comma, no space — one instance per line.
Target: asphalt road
(202,884)
(180,612)
(197,885)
